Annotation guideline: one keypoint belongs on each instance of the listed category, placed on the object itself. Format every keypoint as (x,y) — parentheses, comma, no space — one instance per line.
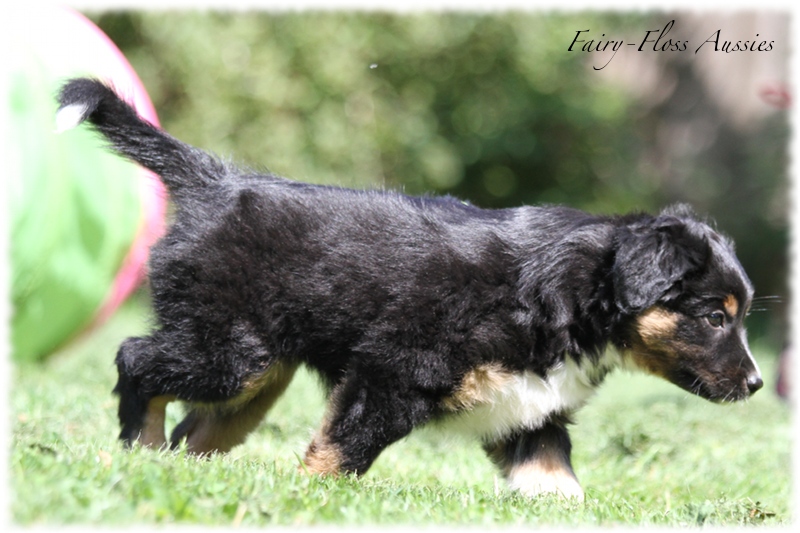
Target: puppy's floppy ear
(652,256)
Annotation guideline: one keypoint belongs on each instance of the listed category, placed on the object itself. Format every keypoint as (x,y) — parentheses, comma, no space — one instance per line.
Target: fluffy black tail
(182,168)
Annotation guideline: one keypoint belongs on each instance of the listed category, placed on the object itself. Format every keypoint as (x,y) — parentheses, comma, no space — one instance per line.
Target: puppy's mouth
(717,389)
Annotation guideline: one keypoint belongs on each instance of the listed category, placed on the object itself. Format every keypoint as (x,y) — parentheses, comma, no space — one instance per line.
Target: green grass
(645,452)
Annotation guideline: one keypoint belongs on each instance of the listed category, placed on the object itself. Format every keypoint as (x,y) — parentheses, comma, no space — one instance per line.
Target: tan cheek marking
(656,323)
(477,387)
(731,305)
(653,344)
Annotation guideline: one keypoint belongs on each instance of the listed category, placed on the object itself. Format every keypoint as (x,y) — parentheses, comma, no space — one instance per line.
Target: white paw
(534,482)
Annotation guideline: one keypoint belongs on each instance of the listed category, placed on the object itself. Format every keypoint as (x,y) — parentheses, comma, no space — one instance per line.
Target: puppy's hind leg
(220,427)
(141,412)
(230,384)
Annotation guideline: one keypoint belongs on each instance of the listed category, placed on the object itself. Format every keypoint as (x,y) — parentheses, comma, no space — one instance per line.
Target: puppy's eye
(716,319)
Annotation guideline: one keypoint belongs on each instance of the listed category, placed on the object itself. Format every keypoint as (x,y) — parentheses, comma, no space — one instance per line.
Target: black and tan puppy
(412,310)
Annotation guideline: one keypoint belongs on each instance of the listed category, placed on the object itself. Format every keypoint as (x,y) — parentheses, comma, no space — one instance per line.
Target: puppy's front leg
(537,461)
(365,415)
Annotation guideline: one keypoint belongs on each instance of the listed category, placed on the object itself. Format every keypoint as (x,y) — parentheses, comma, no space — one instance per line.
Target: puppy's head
(685,295)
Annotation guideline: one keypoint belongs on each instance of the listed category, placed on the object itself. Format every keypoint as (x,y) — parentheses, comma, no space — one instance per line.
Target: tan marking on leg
(152,434)
(322,457)
(218,428)
(277,377)
(731,305)
(477,387)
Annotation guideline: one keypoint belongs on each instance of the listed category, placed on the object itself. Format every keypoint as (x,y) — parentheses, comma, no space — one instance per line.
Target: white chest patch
(493,402)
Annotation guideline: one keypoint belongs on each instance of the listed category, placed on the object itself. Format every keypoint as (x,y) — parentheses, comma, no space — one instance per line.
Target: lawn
(645,452)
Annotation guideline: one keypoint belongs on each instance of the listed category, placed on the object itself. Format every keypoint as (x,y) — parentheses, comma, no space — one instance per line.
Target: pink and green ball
(81,218)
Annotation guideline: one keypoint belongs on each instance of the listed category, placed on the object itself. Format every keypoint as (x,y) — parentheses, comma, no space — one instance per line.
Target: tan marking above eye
(731,305)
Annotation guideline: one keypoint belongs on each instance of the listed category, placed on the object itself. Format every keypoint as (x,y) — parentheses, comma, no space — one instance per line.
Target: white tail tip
(70,116)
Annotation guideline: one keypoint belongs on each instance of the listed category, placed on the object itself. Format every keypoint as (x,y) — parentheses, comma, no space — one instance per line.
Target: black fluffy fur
(393,299)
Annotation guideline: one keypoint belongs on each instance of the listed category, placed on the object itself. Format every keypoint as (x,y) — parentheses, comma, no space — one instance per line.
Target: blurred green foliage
(488,107)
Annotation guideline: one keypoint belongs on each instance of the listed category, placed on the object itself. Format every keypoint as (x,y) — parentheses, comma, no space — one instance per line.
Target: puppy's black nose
(754,382)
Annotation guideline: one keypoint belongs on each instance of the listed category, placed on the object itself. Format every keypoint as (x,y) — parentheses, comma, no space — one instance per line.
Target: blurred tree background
(488,107)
